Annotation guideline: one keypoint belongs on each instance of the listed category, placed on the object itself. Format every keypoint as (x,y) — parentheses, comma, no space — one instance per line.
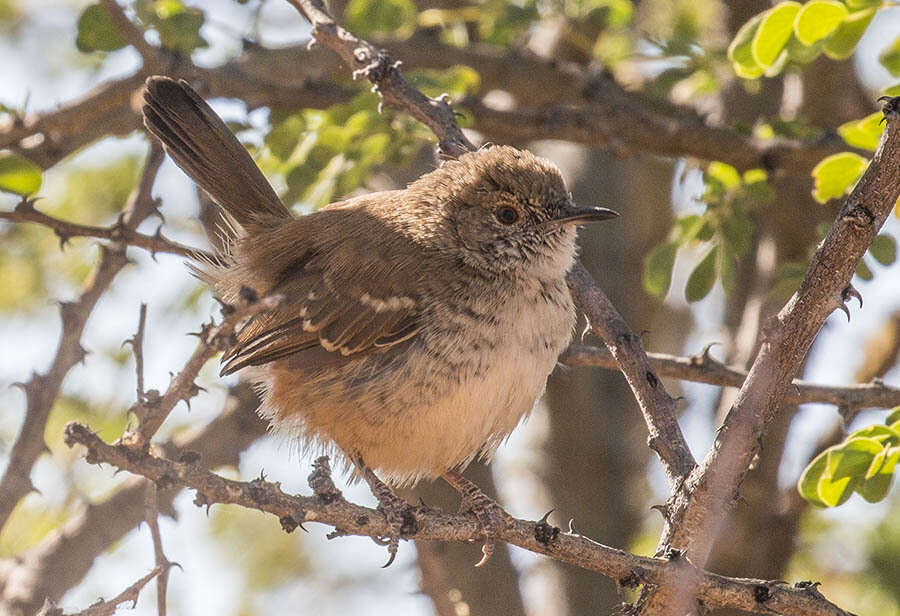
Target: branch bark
(697,510)
(702,368)
(328,506)
(41,390)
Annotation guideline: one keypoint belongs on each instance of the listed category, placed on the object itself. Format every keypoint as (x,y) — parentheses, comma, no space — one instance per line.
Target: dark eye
(507,215)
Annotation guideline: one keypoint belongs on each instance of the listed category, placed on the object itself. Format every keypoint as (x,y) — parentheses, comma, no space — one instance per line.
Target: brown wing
(335,301)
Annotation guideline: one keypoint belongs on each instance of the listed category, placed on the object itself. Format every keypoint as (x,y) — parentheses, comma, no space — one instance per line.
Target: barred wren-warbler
(419,325)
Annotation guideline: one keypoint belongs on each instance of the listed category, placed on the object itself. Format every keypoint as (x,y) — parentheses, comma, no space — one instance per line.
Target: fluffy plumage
(420,324)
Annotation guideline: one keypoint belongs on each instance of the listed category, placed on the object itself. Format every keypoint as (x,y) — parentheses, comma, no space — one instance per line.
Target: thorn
(850,291)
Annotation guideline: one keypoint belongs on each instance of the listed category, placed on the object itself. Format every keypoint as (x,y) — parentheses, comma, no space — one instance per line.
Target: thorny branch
(41,390)
(153,410)
(107,608)
(119,232)
(328,506)
(62,559)
(703,368)
(696,511)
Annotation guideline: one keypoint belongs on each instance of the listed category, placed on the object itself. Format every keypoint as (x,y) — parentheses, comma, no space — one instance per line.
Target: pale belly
(436,407)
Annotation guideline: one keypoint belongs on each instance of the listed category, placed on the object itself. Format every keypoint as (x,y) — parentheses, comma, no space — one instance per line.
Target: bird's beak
(574,215)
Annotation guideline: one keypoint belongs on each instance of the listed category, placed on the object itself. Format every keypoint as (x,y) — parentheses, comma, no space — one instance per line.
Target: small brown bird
(419,325)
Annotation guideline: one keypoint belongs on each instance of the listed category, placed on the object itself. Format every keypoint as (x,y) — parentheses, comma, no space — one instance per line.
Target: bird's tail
(202,145)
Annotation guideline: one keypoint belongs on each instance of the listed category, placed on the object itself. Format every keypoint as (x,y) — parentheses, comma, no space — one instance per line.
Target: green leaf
(96,31)
(658,269)
(845,469)
(884,249)
(893,90)
(776,28)
(808,484)
(841,44)
(836,174)
(381,17)
(879,475)
(864,133)
(740,50)
(19,175)
(180,30)
(852,458)
(818,19)
(701,280)
(893,416)
(726,263)
(878,432)
(890,58)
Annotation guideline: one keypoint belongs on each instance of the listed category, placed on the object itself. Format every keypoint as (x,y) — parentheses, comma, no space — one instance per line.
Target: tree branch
(153,410)
(698,509)
(702,368)
(64,557)
(119,232)
(41,390)
(328,506)
(107,608)
(657,406)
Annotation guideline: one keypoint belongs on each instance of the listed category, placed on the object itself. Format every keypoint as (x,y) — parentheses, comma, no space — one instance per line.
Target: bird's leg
(399,514)
(491,516)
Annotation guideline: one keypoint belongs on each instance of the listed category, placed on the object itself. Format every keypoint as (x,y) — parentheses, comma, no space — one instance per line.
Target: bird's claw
(492,518)
(401,520)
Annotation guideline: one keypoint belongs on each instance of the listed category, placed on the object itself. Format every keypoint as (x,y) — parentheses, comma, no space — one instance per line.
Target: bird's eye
(507,215)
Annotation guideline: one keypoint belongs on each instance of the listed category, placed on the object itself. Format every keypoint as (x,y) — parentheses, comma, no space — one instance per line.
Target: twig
(119,232)
(375,65)
(107,608)
(137,348)
(62,559)
(41,390)
(657,406)
(702,368)
(697,510)
(151,506)
(152,411)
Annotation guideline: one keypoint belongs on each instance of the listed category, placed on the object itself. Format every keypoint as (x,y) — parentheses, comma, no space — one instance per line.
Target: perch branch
(328,506)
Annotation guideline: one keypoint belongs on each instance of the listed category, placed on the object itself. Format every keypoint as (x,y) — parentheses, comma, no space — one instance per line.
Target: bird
(418,326)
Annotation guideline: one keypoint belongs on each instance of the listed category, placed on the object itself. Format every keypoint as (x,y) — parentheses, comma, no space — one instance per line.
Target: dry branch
(702,368)
(119,232)
(697,510)
(41,390)
(328,506)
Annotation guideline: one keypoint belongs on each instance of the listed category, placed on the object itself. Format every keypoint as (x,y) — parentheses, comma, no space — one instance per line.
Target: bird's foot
(492,518)
(400,515)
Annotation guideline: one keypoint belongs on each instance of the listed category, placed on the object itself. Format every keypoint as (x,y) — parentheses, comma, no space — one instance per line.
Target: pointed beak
(573,215)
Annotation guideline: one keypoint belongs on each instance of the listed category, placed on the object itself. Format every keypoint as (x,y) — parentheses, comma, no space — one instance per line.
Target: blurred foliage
(324,155)
(724,229)
(31,521)
(31,259)
(18,175)
(177,24)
